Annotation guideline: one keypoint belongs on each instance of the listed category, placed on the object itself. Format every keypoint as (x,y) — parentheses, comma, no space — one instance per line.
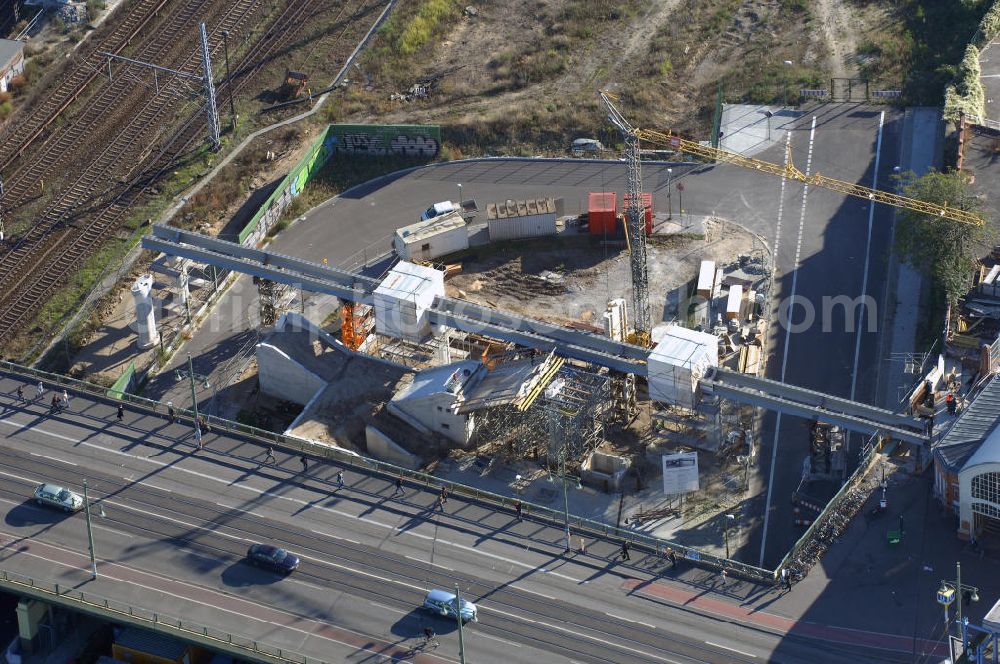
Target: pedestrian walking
(673,559)
(40,389)
(55,403)
(725,577)
(518,508)
(20,393)
(197,436)
(583,545)
(784,579)
(305,463)
(624,551)
(399,485)
(340,479)
(951,404)
(65,399)
(171,415)
(443,497)
(121,412)
(269,457)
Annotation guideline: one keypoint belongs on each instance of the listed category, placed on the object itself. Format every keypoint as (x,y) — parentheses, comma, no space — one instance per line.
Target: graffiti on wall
(381,140)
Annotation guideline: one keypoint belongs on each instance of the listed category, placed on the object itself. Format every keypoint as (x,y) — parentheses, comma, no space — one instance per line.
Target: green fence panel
(291,185)
(124,382)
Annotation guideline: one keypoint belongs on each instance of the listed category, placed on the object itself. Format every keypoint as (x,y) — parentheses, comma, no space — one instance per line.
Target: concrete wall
(284,378)
(434,414)
(383,448)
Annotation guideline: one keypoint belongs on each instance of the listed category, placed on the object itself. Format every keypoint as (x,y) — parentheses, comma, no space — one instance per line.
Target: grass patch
(409,33)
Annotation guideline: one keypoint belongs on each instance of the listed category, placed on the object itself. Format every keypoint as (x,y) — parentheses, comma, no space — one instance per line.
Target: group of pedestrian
(59,402)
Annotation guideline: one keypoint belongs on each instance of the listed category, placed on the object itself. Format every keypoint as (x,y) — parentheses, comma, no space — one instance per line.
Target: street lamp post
(729,519)
(461,635)
(562,458)
(680,199)
(229,79)
(90,531)
(768,115)
(956,592)
(670,206)
(194,402)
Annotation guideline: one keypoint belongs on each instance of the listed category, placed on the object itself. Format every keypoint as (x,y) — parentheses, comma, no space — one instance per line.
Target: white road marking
(868,249)
(739,652)
(596,639)
(788,334)
(50,458)
(497,638)
(296,501)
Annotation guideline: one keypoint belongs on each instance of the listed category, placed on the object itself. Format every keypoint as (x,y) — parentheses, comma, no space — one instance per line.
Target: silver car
(53,495)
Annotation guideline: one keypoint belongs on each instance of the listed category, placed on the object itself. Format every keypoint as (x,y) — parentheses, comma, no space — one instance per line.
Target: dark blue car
(272,558)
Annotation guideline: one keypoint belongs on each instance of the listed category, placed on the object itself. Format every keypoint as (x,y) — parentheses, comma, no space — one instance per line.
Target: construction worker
(951,404)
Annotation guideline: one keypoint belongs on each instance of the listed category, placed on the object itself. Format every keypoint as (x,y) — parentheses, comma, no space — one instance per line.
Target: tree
(947,250)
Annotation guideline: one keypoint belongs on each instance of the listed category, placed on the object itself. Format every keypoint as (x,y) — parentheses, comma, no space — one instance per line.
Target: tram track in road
(210,531)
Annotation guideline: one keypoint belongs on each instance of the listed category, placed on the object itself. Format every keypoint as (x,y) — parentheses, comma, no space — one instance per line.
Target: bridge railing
(580,525)
(105,608)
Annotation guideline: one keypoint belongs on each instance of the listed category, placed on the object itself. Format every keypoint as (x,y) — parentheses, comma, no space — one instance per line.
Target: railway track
(20,134)
(62,258)
(108,107)
(36,251)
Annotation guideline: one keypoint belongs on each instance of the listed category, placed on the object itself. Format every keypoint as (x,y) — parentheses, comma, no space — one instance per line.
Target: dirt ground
(572,281)
(672,51)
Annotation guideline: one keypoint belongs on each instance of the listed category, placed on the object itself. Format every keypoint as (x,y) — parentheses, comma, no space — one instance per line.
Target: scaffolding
(567,417)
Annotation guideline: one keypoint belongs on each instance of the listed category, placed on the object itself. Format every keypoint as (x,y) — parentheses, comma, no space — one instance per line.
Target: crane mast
(635,226)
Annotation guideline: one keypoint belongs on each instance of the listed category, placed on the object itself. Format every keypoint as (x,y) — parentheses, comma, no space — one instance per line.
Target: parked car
(53,495)
(582,146)
(442,603)
(272,558)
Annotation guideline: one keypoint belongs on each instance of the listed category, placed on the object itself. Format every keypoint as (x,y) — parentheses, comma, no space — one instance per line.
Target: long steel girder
(264,264)
(531,333)
(801,402)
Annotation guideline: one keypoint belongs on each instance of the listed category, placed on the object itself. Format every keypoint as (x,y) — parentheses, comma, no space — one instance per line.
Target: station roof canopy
(975,437)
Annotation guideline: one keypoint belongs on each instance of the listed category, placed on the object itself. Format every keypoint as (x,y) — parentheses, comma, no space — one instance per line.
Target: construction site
(614,346)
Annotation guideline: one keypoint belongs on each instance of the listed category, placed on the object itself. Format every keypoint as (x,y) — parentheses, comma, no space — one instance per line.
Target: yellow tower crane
(788,170)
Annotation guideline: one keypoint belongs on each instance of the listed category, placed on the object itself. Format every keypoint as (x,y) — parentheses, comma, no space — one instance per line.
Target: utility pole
(90,531)
(461,635)
(213,111)
(229,79)
(205,78)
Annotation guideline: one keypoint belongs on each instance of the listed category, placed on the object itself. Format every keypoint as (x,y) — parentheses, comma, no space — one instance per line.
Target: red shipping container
(647,204)
(602,208)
